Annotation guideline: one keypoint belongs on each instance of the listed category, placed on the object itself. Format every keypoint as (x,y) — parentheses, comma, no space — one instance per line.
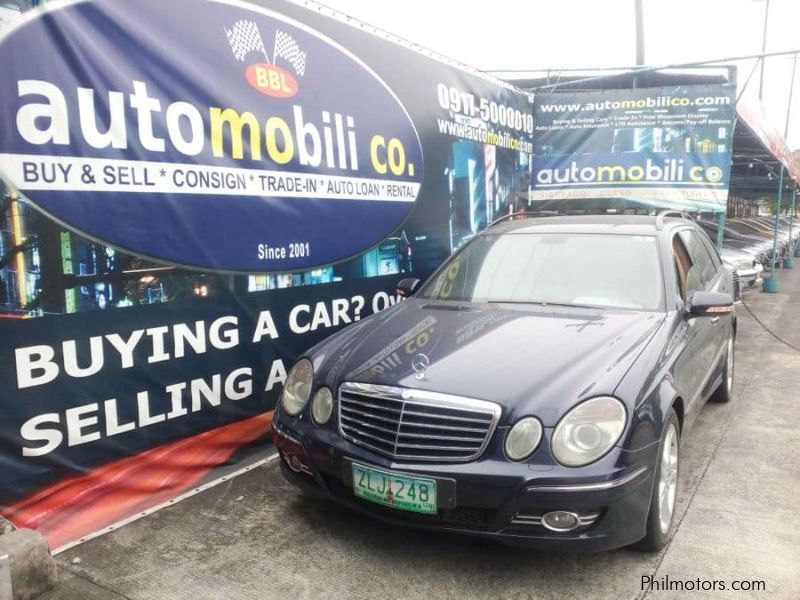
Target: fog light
(560,520)
(295,464)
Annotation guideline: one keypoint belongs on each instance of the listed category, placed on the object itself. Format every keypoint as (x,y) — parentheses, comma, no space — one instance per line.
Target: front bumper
(491,498)
(751,277)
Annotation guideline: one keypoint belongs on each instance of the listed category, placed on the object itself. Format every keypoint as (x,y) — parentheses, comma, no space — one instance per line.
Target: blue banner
(653,147)
(297,163)
(275,146)
(101,386)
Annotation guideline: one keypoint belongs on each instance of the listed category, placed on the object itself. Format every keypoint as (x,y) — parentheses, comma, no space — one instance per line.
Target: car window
(685,269)
(577,269)
(706,270)
(709,244)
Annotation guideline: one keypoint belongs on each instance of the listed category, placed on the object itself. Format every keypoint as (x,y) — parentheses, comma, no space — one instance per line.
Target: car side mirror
(406,287)
(710,304)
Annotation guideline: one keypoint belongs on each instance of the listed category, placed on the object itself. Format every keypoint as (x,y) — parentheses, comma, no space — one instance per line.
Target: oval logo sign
(271,80)
(242,140)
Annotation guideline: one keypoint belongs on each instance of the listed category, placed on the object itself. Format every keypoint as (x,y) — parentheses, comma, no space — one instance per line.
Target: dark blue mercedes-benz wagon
(534,389)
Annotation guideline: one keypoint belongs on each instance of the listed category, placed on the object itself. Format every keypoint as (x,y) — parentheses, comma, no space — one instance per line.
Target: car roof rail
(524,214)
(670,213)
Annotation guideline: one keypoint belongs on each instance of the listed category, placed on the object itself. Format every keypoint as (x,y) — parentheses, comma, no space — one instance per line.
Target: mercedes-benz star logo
(420,363)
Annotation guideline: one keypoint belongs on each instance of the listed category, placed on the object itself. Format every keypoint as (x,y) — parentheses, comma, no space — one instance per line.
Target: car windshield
(575,269)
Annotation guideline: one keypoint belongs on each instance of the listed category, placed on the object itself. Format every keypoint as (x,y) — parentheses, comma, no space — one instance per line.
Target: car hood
(531,359)
(737,257)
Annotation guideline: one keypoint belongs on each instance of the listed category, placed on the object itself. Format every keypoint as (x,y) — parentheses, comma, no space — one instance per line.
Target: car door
(710,332)
(687,374)
(721,282)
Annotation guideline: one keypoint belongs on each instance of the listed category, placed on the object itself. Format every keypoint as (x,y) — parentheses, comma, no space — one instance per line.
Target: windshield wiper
(540,303)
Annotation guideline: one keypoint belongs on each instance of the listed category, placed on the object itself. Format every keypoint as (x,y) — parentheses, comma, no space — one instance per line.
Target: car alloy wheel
(666,467)
(668,479)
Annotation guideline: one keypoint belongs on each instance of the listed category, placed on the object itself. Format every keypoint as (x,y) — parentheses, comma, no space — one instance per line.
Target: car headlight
(322,406)
(588,431)
(523,438)
(297,388)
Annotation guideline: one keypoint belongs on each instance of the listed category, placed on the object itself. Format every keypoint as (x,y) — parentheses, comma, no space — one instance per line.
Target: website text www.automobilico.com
(639,103)
(484,136)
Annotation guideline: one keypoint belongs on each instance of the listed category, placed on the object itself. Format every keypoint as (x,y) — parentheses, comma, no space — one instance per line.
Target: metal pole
(640,33)
(746,81)
(771,282)
(789,262)
(637,70)
(763,51)
(720,230)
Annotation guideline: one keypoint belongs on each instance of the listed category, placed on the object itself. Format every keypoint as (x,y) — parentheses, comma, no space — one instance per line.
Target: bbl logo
(268,77)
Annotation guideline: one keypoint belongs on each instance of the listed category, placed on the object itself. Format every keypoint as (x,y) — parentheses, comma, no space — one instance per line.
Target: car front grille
(415,425)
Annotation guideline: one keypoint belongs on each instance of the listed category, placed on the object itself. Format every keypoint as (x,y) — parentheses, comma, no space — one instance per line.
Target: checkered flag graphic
(287,48)
(244,38)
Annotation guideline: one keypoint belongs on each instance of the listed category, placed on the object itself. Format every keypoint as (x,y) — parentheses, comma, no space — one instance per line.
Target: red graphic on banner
(71,509)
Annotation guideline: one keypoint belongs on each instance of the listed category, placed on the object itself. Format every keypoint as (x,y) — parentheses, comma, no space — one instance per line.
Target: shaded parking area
(257,537)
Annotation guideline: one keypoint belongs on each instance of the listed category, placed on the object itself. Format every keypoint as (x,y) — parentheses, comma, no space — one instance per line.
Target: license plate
(414,494)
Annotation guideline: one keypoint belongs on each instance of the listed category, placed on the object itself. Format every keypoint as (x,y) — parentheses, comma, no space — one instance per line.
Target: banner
(191,203)
(664,147)
(281,146)
(751,111)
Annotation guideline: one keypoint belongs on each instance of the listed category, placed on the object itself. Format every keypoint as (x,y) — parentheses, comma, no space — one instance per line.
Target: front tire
(661,515)
(725,390)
